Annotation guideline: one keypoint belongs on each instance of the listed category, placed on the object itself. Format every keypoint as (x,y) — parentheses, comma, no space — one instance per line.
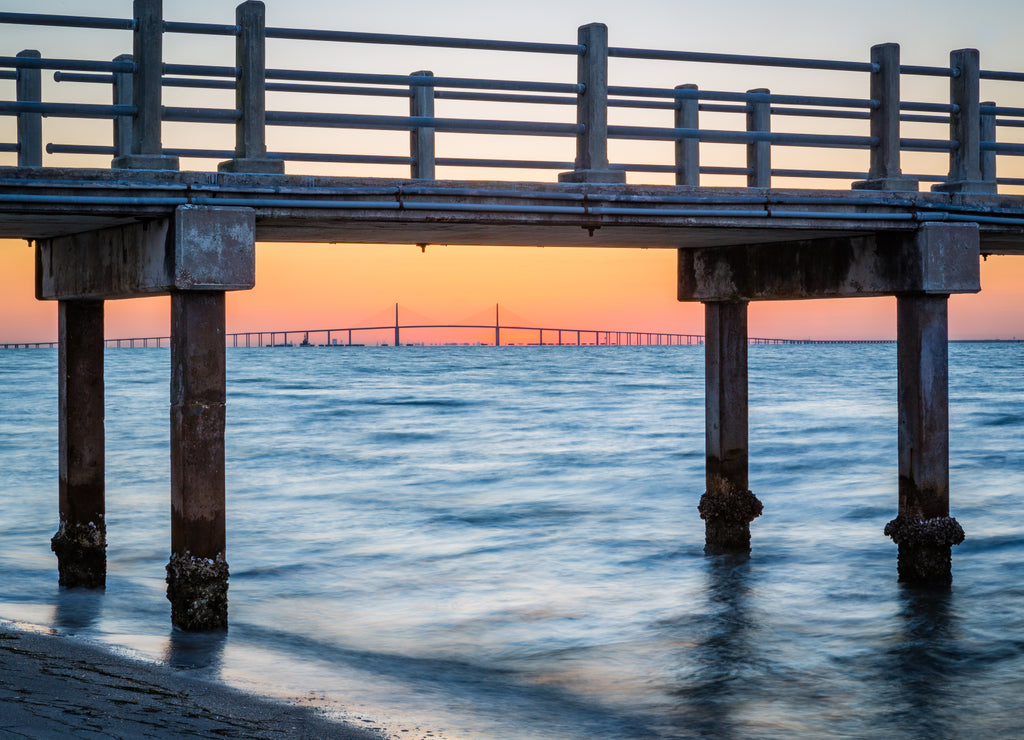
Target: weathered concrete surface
(727,506)
(924,557)
(198,591)
(81,551)
(197,582)
(938,258)
(200,248)
(250,94)
(592,110)
(80,542)
(727,512)
(885,172)
(923,530)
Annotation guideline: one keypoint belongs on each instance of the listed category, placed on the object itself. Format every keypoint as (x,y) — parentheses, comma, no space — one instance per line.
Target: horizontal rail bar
(68,110)
(200,70)
(912,118)
(298,34)
(60,76)
(211,29)
(761,61)
(929,144)
(745,97)
(199,115)
(422,81)
(507,98)
(930,107)
(79,65)
(913,69)
(71,21)
(9,147)
(1002,148)
(1000,110)
(8,75)
(740,137)
(406,123)
(526,164)
(988,74)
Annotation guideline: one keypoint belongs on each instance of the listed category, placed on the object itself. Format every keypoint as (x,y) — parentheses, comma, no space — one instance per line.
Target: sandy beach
(53,686)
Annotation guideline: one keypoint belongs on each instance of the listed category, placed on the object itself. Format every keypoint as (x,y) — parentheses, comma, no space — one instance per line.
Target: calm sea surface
(503,543)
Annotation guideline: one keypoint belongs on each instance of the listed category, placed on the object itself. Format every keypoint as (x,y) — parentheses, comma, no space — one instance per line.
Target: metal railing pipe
(687,115)
(592,110)
(421,138)
(66,110)
(29,89)
(759,152)
(208,29)
(762,61)
(407,123)
(447,42)
(250,94)
(70,21)
(79,65)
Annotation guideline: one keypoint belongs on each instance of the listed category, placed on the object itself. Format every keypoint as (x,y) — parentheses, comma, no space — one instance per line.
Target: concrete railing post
(727,506)
(884,172)
(759,153)
(147,81)
(965,126)
(687,115)
(592,110)
(81,541)
(251,94)
(29,89)
(122,95)
(988,135)
(421,145)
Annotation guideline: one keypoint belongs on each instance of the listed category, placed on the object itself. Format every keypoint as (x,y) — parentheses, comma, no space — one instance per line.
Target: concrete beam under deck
(42,203)
(196,248)
(937,259)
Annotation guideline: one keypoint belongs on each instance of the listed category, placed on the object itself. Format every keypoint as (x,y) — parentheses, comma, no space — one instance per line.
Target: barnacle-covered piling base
(727,512)
(198,591)
(925,545)
(81,551)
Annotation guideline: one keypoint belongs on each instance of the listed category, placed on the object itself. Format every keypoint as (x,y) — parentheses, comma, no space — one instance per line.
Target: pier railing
(687,132)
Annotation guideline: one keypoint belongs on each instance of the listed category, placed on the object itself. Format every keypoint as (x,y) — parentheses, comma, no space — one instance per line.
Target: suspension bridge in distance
(545,336)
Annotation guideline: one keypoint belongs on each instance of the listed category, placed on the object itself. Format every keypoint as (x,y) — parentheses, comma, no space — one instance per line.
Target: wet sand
(52,686)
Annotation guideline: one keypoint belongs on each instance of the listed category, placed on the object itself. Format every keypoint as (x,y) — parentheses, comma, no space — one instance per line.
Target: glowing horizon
(324,285)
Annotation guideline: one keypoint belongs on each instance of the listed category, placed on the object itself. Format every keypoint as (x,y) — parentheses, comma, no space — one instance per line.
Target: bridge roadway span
(143,228)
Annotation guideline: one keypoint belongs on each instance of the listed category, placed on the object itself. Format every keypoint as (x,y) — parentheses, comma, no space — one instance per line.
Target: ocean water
(503,543)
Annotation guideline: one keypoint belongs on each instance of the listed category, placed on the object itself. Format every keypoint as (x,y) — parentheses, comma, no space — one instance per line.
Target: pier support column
(197,575)
(81,541)
(727,506)
(923,529)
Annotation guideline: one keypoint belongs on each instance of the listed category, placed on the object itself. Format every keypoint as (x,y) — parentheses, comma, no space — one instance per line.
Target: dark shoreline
(54,686)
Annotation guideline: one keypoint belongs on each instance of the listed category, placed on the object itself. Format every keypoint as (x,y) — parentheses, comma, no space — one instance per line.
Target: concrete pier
(923,529)
(197,575)
(727,506)
(921,269)
(81,540)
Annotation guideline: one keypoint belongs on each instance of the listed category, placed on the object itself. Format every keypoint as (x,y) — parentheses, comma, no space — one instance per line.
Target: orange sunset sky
(324,286)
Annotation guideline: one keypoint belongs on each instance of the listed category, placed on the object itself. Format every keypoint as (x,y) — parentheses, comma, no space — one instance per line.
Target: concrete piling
(81,540)
(923,529)
(727,506)
(197,575)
